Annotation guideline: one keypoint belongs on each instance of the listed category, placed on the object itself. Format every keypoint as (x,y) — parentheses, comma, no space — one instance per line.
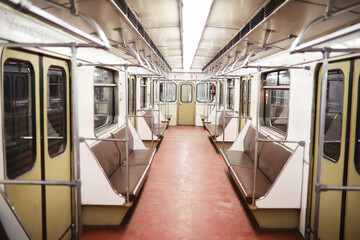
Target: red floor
(188,195)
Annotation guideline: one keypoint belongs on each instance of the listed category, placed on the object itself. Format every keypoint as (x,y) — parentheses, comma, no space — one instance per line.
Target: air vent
(245,30)
(133,19)
(122,5)
(141,30)
(130,15)
(272,6)
(259,17)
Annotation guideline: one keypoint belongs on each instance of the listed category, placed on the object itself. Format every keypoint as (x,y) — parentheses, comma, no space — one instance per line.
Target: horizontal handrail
(295,45)
(104,139)
(146,116)
(339,188)
(74,183)
(27,6)
(301,143)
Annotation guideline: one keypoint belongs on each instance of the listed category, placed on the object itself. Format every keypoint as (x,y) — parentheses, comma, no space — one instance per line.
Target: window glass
(243,98)
(131,95)
(276,100)
(56,110)
(186,93)
(221,89)
(19,120)
(357,144)
(231,94)
(333,117)
(249,98)
(104,94)
(143,97)
(203,93)
(168,93)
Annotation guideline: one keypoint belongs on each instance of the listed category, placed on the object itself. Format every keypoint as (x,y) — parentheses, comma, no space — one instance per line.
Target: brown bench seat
(158,128)
(111,156)
(272,157)
(217,130)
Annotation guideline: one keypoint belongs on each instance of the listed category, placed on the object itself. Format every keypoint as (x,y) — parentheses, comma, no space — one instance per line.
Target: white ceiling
(162,21)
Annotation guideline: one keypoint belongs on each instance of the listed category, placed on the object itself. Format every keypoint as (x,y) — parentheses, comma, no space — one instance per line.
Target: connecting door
(339,210)
(186,104)
(36,126)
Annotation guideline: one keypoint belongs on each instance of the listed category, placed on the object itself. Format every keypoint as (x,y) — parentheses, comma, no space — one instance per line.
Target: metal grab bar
(295,45)
(301,143)
(104,139)
(36,182)
(27,6)
(145,116)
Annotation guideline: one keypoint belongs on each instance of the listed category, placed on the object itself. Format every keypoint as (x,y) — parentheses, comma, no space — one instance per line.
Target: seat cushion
(215,130)
(238,158)
(272,159)
(140,157)
(107,155)
(249,142)
(245,178)
(137,177)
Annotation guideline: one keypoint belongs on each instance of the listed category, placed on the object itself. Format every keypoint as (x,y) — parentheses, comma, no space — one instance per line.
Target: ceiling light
(195,14)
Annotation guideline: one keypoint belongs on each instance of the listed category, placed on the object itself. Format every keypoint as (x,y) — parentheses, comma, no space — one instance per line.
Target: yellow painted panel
(332,173)
(27,199)
(103,215)
(186,110)
(352,212)
(59,167)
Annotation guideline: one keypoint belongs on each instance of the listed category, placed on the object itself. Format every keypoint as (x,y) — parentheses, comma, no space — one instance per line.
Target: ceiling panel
(236,12)
(156,14)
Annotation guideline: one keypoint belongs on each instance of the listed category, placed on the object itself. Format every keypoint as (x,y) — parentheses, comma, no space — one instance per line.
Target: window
(203,93)
(104,98)
(186,93)
(249,97)
(143,96)
(168,92)
(276,100)
(19,120)
(56,110)
(221,87)
(333,116)
(357,143)
(231,94)
(243,98)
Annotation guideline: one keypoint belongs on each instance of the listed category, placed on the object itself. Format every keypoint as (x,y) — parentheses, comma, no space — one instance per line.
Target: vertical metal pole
(75,119)
(216,108)
(224,101)
(159,121)
(256,136)
(324,82)
(127,134)
(152,112)
(166,99)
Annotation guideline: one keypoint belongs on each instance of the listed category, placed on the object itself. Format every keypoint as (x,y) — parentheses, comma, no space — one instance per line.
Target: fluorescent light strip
(195,13)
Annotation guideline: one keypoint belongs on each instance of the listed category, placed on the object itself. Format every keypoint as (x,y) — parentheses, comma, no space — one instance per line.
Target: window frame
(161,90)
(32,126)
(191,92)
(207,86)
(230,88)
(327,157)
(64,116)
(112,85)
(280,87)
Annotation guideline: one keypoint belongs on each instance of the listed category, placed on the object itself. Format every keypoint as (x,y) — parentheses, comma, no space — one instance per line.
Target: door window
(334,113)
(56,110)
(19,117)
(186,93)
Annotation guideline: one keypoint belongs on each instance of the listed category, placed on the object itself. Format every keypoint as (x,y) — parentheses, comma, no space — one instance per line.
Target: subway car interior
(180,119)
